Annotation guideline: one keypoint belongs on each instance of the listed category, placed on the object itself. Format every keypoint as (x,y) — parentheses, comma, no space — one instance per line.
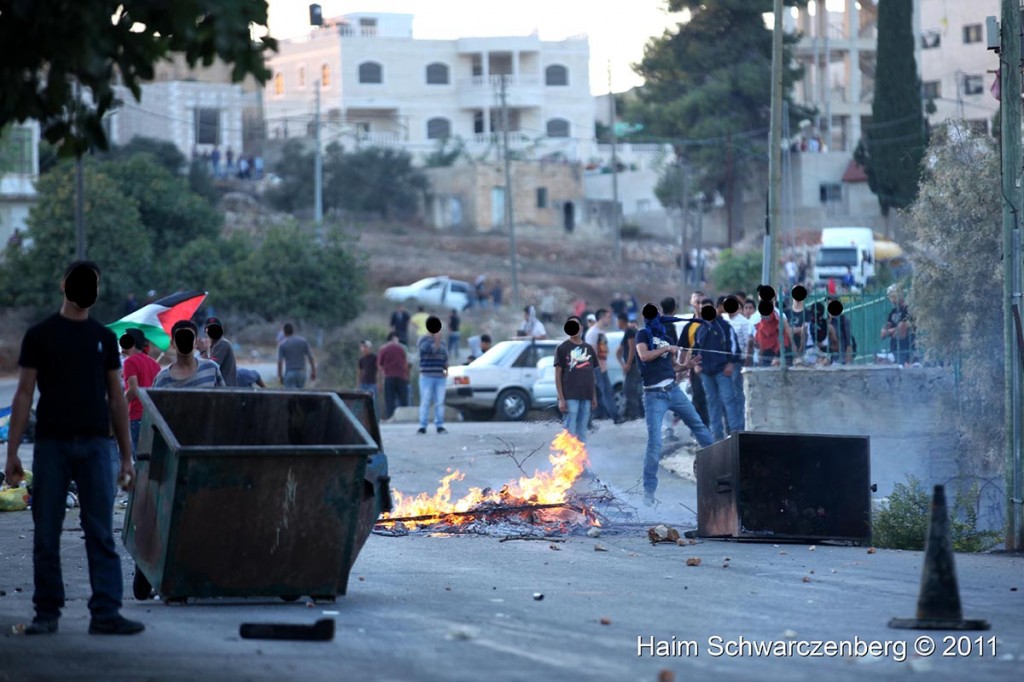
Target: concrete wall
(909,414)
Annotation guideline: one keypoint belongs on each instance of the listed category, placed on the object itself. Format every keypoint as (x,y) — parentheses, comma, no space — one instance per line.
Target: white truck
(844,248)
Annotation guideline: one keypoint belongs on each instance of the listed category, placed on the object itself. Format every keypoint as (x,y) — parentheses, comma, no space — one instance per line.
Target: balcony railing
(480,82)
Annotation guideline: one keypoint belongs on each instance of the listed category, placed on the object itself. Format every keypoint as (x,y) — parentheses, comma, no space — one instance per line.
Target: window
(437,74)
(302,76)
(974,85)
(207,122)
(556,74)
(972,33)
(830,191)
(279,84)
(931,90)
(558,127)
(930,40)
(367,26)
(542,197)
(439,128)
(16,151)
(371,72)
(325,75)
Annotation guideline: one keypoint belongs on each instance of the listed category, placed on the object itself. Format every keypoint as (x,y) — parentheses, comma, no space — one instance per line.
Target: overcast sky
(617,29)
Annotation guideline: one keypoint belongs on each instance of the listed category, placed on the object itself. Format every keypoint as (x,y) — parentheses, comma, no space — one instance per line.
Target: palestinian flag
(156,319)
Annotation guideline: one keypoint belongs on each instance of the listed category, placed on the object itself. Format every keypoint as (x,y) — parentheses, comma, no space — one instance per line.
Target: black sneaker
(441,429)
(116,626)
(41,627)
(421,430)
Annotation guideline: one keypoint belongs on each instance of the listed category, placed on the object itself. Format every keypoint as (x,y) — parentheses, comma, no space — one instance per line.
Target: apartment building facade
(380,85)
(19,170)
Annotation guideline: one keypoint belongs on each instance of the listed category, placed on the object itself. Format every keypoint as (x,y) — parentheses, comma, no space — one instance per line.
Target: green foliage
(903,523)
(372,180)
(101,43)
(114,231)
(442,157)
(700,85)
(956,247)
(289,275)
(895,143)
(200,181)
(164,153)
(737,271)
(630,231)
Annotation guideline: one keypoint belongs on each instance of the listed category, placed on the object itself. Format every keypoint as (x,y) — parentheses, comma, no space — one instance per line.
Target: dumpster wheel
(141,587)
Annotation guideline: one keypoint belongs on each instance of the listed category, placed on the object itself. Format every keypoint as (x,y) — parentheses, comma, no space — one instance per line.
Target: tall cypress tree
(895,141)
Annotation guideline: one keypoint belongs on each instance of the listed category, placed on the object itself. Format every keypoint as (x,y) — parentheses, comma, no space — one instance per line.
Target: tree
(290,275)
(295,169)
(895,141)
(376,180)
(116,235)
(710,80)
(163,152)
(956,248)
(54,45)
(737,271)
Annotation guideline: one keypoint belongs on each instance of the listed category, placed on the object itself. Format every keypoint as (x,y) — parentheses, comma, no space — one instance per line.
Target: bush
(630,231)
(903,523)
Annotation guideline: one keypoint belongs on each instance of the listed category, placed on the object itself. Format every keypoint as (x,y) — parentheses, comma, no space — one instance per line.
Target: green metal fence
(867,314)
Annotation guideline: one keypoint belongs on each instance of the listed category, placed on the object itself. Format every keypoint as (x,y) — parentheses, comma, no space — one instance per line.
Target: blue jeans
(656,404)
(294,378)
(372,390)
(134,428)
(605,396)
(721,392)
(431,390)
(577,418)
(453,344)
(88,462)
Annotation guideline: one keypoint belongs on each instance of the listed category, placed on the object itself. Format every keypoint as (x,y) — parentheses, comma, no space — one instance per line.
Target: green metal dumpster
(251,493)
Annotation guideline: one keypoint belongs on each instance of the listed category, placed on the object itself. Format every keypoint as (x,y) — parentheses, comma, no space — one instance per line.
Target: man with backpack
(718,350)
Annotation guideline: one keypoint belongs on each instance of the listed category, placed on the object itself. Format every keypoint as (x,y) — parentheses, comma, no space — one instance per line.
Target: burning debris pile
(541,504)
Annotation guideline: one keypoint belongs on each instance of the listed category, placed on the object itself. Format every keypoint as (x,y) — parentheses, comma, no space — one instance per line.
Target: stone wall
(909,414)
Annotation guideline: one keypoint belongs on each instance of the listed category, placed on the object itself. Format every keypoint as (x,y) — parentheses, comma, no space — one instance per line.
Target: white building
(381,85)
(19,170)
(195,116)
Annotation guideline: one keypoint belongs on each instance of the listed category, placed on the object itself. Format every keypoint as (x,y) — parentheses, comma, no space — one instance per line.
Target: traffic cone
(938,606)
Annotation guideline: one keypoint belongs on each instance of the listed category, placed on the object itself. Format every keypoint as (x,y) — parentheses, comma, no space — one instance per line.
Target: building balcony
(479,92)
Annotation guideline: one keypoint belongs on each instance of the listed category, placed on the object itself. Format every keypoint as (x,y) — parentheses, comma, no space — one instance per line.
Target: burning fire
(568,461)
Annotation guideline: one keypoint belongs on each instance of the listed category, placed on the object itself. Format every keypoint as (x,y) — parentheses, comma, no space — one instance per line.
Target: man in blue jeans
(75,362)
(433,373)
(662,393)
(718,349)
(575,370)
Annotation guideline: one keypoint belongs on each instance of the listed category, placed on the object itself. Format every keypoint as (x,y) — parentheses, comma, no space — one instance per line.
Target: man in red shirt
(394,366)
(139,371)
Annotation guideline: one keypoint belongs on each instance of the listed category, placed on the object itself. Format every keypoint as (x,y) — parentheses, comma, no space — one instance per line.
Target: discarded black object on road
(321,631)
(938,605)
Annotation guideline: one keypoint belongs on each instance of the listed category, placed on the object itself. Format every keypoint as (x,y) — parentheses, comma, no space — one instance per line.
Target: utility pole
(684,211)
(509,217)
(774,177)
(615,168)
(700,241)
(318,171)
(1010,112)
(79,187)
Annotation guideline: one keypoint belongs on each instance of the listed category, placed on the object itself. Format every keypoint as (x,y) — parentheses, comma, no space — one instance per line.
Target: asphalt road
(433,607)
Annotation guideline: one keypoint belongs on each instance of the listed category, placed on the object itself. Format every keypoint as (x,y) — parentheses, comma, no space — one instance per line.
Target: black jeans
(396,393)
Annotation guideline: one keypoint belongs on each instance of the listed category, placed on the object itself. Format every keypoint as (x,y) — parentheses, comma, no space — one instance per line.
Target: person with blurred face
(221,351)
(139,372)
(74,360)
(433,370)
(188,371)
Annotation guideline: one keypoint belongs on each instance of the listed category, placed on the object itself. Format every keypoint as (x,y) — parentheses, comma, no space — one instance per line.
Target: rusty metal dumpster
(785,486)
(251,493)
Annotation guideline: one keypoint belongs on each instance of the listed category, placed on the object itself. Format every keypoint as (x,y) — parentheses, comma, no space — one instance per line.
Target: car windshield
(832,257)
(498,353)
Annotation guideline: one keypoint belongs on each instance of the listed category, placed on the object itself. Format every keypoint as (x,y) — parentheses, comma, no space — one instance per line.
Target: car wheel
(620,399)
(513,404)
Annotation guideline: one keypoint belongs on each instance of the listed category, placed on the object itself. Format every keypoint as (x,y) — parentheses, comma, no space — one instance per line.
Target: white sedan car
(435,291)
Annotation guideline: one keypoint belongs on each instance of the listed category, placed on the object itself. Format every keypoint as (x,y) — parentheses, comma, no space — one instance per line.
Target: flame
(568,460)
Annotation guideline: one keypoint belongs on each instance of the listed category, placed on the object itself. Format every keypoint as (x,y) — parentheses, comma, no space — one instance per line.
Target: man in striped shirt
(187,371)
(433,370)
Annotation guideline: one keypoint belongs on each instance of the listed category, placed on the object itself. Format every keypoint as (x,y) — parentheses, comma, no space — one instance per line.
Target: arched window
(437,74)
(558,127)
(439,128)
(371,72)
(556,74)
(325,75)
(302,76)
(279,84)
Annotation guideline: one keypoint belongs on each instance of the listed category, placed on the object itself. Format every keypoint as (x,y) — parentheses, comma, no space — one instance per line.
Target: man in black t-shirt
(899,329)
(75,362)
(626,355)
(575,364)
(400,324)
